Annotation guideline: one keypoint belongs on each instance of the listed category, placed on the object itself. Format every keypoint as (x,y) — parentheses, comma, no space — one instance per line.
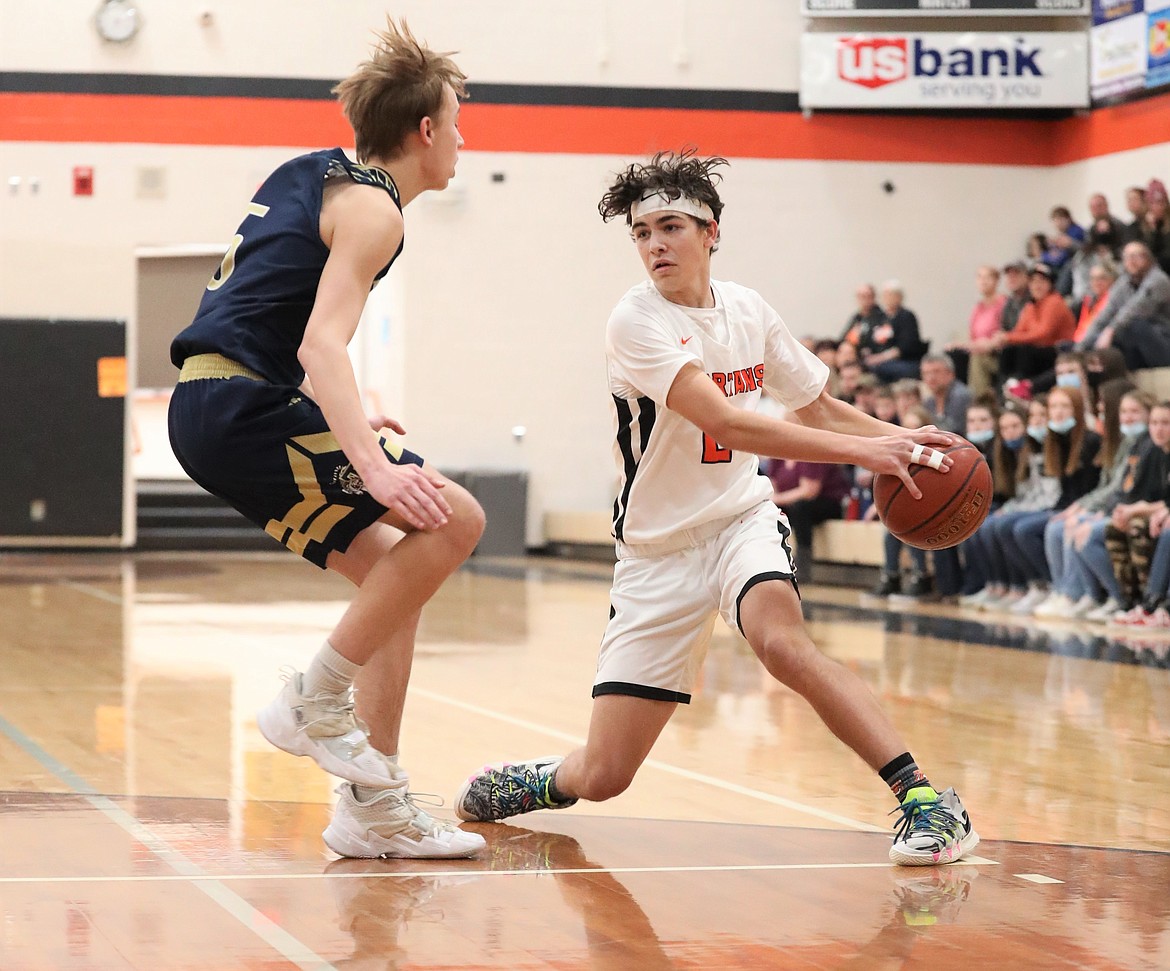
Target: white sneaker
(976,599)
(1029,602)
(326,730)
(390,825)
(1005,601)
(1103,613)
(1054,605)
(934,829)
(1082,608)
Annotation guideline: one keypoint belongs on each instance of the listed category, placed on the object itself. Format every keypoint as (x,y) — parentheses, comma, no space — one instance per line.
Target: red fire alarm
(83,180)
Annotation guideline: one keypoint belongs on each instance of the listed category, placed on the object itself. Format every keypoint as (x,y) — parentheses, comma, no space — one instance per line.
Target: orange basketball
(953,504)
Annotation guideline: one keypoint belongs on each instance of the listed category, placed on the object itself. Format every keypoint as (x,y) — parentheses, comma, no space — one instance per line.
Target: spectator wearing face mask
(1018,477)
(1123,416)
(1070,451)
(982,431)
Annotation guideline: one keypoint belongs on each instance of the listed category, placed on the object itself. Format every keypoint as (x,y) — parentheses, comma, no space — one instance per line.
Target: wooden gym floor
(144,823)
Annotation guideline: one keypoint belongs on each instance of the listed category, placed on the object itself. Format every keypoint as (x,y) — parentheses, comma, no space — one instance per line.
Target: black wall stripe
(314,89)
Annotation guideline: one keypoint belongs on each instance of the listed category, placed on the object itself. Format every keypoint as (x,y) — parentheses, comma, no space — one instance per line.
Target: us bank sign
(942,71)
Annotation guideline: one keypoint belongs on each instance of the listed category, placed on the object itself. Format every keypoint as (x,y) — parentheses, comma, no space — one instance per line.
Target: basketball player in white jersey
(697,533)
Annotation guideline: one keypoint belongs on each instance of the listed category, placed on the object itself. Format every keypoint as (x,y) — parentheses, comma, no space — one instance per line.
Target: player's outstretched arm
(695,396)
(833,414)
(362,228)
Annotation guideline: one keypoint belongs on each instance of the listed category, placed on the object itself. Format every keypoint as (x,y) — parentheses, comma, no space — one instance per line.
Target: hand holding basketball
(951,505)
(897,455)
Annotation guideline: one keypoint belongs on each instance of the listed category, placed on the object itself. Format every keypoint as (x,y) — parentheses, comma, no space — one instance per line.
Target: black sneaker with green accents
(499,791)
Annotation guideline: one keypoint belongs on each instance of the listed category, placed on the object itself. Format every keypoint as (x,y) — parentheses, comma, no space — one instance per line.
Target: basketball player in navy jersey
(697,533)
(267,415)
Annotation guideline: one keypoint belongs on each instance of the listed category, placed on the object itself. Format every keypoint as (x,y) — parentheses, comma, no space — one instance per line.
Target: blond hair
(401,84)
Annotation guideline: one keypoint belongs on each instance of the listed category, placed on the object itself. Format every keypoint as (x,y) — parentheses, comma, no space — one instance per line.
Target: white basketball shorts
(663,604)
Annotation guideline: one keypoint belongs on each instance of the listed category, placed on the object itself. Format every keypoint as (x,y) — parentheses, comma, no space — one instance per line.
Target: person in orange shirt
(1101,278)
(1030,349)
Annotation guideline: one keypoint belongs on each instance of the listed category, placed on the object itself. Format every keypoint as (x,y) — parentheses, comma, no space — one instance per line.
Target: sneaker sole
(960,849)
(275,731)
(345,843)
(498,766)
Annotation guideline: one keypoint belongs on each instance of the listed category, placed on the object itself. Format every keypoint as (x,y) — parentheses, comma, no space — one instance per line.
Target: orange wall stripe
(588,130)
(1121,128)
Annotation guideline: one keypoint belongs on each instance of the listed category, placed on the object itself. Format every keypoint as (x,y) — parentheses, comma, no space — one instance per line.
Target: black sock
(554,793)
(902,774)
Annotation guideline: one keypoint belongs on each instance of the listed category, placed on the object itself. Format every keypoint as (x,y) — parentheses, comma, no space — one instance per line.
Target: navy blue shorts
(267,450)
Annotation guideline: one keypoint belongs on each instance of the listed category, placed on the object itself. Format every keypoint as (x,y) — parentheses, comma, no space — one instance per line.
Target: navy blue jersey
(257,304)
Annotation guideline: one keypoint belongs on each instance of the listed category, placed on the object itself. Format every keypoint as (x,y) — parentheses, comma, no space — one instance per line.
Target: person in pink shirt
(980,351)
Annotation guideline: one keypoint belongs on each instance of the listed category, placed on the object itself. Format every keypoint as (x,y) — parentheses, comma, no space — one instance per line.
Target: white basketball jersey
(673,476)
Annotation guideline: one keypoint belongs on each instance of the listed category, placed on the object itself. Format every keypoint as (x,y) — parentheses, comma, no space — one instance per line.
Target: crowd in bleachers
(1046,385)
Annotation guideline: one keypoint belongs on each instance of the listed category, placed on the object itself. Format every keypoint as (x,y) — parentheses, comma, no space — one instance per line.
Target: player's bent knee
(467,519)
(791,658)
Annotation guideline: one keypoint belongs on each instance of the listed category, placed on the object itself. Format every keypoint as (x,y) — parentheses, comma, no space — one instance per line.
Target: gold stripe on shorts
(202,367)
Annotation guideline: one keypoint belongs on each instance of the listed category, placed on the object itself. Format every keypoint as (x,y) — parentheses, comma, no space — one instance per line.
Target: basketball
(953,504)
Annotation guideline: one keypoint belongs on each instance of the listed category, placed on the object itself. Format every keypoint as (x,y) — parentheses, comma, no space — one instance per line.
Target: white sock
(329,673)
(365,793)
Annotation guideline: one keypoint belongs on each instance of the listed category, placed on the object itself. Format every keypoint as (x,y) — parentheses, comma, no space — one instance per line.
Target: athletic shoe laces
(924,817)
(524,784)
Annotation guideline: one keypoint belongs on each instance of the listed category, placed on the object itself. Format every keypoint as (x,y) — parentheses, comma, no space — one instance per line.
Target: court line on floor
(275,936)
(654,763)
(617,870)
(91,591)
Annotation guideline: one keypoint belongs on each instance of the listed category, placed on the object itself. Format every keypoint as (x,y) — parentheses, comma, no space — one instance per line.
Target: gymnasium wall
(508,278)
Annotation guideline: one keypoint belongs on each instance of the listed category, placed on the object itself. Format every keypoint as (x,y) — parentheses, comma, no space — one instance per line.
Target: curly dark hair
(675,174)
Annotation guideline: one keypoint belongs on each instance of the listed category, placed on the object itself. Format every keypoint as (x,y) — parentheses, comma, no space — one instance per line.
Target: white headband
(656,201)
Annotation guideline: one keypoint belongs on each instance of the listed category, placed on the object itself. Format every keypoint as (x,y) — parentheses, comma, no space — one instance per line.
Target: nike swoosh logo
(685,339)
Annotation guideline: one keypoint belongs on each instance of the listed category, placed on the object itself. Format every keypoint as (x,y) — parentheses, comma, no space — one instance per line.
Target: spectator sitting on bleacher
(1078,534)
(947,398)
(848,378)
(1015,284)
(1036,250)
(1104,364)
(1098,250)
(1154,229)
(865,393)
(1030,349)
(1101,216)
(1065,240)
(982,431)
(907,396)
(1136,317)
(846,354)
(885,406)
(976,359)
(1135,203)
(867,316)
(894,347)
(1035,491)
(1070,453)
(826,350)
(1101,279)
(809,493)
(1127,537)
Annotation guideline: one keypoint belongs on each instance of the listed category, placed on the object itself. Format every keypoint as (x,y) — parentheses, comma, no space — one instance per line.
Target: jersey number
(713,452)
(228,266)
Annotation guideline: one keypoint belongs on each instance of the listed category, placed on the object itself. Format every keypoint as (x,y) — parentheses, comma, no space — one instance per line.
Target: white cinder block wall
(506,287)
